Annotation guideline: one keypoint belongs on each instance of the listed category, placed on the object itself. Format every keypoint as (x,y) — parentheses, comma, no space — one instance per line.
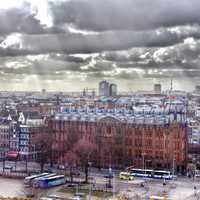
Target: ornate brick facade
(124,144)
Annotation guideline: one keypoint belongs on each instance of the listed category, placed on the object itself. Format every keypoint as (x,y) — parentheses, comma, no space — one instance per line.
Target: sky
(66,45)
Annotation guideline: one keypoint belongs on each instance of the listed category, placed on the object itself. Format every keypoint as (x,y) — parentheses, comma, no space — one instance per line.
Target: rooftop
(137,116)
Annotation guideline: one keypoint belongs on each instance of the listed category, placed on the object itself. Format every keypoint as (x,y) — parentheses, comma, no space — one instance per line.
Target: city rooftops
(159,116)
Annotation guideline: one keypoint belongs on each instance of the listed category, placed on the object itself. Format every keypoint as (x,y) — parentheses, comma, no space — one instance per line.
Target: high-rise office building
(197,88)
(113,90)
(104,88)
(107,89)
(157,88)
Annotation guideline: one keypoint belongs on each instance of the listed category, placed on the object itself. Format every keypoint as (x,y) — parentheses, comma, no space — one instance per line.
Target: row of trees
(81,154)
(73,152)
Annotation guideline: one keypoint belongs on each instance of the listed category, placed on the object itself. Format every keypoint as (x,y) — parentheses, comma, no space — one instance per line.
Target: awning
(12,154)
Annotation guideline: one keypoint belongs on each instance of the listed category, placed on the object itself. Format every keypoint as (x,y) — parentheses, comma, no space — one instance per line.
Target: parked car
(125,176)
(62,167)
(8,167)
(108,176)
(76,173)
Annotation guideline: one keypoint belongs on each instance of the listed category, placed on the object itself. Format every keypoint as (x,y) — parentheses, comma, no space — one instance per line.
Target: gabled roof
(32,115)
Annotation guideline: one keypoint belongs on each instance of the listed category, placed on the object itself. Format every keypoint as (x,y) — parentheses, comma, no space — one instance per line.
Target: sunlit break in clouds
(67,45)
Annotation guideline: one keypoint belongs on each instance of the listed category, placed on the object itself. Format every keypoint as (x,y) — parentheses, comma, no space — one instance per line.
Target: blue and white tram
(51,181)
(153,174)
(29,179)
(36,180)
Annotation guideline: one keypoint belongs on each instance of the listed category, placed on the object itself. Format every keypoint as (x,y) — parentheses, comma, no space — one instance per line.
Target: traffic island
(85,191)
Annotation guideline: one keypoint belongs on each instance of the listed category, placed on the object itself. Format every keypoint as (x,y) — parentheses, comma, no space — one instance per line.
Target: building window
(130,152)
(108,130)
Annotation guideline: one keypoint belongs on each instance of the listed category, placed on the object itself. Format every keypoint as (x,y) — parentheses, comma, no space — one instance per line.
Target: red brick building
(122,144)
(4,137)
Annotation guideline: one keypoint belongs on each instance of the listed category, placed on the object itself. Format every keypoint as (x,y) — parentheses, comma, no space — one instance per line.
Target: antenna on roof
(170,94)
(171,88)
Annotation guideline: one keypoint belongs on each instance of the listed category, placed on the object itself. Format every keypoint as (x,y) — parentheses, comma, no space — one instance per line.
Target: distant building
(89,92)
(107,89)
(104,88)
(157,88)
(44,91)
(113,90)
(197,88)
(84,92)
(30,126)
(4,138)
(93,93)
(28,134)
(14,138)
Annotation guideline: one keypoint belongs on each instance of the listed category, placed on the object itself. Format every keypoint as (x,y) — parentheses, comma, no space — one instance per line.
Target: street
(180,189)
(11,187)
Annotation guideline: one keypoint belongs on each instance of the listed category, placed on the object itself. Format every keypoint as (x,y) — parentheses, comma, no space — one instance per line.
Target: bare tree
(85,150)
(43,147)
(71,161)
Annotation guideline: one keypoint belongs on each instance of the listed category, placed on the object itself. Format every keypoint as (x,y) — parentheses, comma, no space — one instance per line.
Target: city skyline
(151,87)
(99,99)
(131,86)
(43,47)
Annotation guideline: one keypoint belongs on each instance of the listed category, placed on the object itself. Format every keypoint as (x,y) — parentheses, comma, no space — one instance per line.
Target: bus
(154,174)
(35,181)
(51,181)
(29,179)
(125,176)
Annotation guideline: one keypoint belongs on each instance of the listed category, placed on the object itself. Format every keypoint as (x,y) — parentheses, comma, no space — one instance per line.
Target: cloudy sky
(70,44)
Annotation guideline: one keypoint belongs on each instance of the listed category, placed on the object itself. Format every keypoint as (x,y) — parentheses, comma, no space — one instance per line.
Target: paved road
(11,187)
(181,189)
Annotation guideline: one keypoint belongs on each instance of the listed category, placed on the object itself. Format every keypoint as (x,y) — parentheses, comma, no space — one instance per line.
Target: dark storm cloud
(70,43)
(100,66)
(19,20)
(184,55)
(124,75)
(23,20)
(56,39)
(69,58)
(41,67)
(11,52)
(124,40)
(174,74)
(178,60)
(101,15)
(48,65)
(117,76)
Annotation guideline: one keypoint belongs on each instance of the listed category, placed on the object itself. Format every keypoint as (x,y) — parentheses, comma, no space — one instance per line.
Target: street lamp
(27,162)
(173,167)
(146,165)
(195,191)
(4,156)
(27,155)
(33,152)
(89,165)
(110,177)
(143,160)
